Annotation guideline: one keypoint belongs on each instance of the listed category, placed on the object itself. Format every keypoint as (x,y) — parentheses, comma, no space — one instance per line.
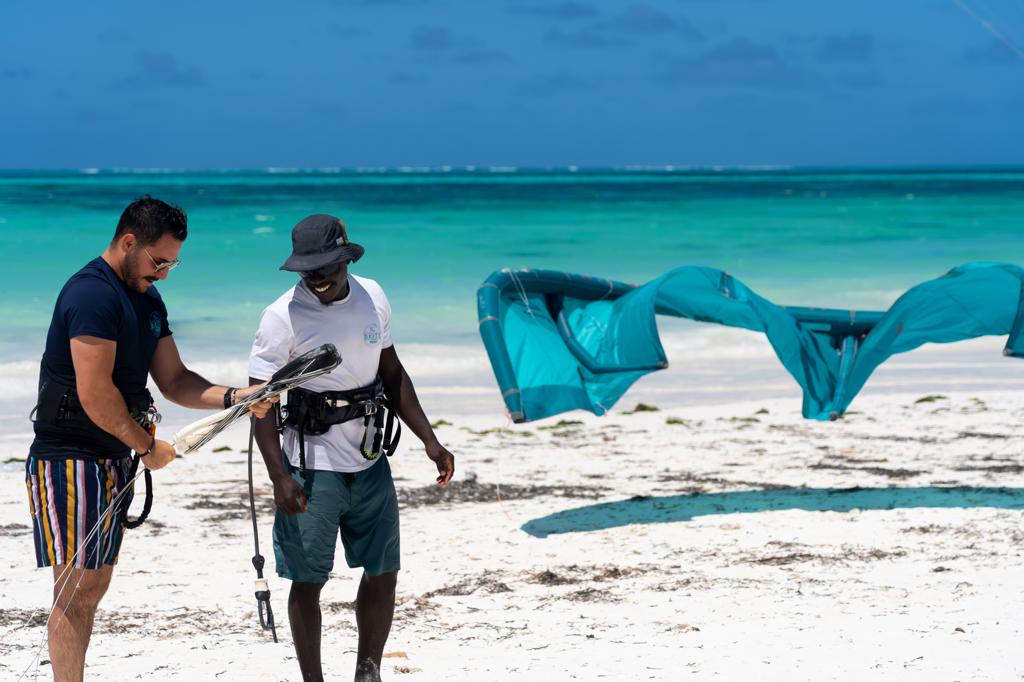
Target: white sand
(701,576)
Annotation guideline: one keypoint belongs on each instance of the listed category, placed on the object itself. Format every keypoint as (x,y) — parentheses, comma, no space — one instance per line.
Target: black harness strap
(392,423)
(301,413)
(148,504)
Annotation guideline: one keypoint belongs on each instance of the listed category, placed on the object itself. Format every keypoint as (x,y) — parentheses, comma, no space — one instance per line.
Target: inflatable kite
(560,342)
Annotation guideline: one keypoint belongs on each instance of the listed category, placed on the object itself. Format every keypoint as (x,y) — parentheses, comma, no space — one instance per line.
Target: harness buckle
(149,419)
(370,407)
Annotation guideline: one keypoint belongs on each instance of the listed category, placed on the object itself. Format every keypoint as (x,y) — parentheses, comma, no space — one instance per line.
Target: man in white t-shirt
(329,477)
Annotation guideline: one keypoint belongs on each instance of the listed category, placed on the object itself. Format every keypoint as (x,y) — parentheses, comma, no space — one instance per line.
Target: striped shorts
(67,499)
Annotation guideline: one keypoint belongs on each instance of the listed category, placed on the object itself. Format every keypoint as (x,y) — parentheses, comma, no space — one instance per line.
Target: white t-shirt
(360,327)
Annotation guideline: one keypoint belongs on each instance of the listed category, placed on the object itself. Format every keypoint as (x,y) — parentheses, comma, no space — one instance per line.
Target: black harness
(59,413)
(312,413)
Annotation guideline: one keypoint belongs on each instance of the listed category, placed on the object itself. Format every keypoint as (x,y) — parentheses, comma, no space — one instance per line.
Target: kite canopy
(560,342)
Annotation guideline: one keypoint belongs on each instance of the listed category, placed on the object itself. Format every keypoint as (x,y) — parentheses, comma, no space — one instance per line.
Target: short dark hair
(149,219)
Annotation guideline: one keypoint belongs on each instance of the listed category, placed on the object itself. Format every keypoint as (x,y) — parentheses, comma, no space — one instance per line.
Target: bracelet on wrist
(152,444)
(229,397)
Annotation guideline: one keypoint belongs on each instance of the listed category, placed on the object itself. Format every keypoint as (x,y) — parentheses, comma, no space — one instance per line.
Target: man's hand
(260,409)
(160,456)
(289,496)
(444,460)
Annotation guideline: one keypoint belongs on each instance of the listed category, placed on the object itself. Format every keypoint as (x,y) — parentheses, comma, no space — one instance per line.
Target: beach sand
(728,541)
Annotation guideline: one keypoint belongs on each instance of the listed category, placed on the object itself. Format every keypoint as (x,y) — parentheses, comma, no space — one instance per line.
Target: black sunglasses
(320,273)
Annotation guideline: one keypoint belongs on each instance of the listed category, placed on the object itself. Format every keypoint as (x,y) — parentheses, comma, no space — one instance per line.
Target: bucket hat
(320,240)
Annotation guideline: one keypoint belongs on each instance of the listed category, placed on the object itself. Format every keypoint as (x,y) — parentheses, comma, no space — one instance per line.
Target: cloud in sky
(740,61)
(16,72)
(431,38)
(161,69)
(563,11)
(638,21)
(585,39)
(858,46)
(645,20)
(553,84)
(456,49)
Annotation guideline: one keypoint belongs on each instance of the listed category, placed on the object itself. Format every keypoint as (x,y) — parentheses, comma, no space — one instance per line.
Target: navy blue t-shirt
(96,302)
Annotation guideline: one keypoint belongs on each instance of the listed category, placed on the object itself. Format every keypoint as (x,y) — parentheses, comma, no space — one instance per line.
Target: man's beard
(130,272)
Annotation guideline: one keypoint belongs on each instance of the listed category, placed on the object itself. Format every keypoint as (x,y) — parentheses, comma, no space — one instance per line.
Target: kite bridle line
(521,290)
(497,462)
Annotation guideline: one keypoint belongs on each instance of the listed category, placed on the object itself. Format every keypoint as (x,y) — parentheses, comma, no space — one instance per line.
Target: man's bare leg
(304,617)
(375,608)
(71,622)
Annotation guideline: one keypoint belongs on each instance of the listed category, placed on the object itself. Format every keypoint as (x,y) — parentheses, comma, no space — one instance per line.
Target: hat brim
(350,252)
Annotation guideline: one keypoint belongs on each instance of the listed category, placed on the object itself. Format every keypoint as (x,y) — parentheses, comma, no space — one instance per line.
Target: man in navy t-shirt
(96,303)
(109,332)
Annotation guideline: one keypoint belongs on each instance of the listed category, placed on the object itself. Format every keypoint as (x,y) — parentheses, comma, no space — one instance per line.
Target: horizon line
(512,170)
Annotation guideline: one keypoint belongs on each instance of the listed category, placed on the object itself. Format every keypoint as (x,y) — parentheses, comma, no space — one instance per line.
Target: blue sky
(357,83)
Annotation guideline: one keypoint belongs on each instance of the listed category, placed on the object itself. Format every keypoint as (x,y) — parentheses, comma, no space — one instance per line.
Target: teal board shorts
(362,507)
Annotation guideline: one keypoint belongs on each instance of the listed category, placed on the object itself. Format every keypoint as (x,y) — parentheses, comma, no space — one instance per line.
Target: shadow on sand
(685,507)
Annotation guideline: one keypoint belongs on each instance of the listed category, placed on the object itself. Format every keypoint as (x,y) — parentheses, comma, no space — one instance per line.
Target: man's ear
(125,242)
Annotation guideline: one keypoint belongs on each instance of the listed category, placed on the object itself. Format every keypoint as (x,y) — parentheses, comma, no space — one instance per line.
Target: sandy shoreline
(718,541)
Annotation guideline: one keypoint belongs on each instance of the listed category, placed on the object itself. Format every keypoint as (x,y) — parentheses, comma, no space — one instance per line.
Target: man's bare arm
(93,359)
(288,495)
(181,385)
(402,396)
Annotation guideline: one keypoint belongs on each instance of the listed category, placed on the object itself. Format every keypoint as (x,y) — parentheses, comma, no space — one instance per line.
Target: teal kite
(560,342)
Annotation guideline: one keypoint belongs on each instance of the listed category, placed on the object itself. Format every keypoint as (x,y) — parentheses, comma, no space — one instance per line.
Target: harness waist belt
(312,413)
(59,414)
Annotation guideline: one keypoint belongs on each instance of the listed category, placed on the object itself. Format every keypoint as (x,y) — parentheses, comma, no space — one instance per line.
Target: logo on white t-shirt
(372,334)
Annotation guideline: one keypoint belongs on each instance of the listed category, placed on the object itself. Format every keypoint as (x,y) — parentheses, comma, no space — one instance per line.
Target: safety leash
(147,505)
(148,420)
(262,588)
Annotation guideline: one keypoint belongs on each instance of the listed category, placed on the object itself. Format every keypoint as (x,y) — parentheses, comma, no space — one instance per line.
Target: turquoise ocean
(824,237)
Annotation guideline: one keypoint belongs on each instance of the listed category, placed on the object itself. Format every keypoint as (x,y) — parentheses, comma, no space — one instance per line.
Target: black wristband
(229,397)
(152,443)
